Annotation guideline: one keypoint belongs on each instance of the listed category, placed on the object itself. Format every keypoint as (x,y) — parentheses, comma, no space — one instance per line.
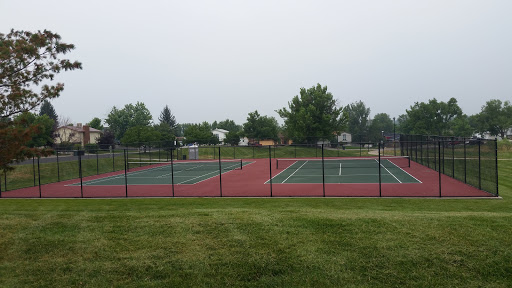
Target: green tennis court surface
(147,173)
(342,171)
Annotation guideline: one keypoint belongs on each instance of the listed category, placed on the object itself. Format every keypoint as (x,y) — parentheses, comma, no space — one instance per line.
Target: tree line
(29,62)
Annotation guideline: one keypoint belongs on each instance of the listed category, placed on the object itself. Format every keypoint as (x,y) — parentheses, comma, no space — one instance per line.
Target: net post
(172,172)
(58,167)
(241,164)
(220,174)
(80,174)
(439,155)
(125,156)
(270,167)
(39,176)
(479,166)
(380,180)
(496,163)
(323,171)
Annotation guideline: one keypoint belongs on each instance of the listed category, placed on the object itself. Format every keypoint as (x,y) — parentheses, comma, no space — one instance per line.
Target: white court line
(406,172)
(278,173)
(388,171)
(294,172)
(207,174)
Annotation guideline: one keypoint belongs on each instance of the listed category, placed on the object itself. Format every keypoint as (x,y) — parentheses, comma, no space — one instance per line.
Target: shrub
(504,145)
(91,148)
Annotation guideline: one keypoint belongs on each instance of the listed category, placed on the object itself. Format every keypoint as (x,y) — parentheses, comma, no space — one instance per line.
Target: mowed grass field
(258,242)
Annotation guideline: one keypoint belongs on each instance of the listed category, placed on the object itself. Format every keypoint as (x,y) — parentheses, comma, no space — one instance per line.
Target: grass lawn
(258,242)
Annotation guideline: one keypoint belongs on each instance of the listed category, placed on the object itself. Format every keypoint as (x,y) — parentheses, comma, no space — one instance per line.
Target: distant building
(220,133)
(344,137)
(77,134)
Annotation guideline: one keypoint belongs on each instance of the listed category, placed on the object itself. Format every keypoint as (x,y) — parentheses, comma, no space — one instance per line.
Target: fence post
(234,152)
(465,160)
(496,158)
(34,169)
(58,167)
(323,171)
(39,176)
(113,160)
(380,180)
(220,174)
(0,186)
(453,157)
(97,163)
(439,155)
(172,173)
(125,156)
(479,166)
(270,167)
(80,174)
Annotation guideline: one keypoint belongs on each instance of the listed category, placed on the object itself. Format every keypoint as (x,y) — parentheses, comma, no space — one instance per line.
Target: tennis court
(343,171)
(167,173)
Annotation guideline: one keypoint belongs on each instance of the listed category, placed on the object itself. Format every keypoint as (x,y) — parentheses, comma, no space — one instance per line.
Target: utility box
(78,153)
(193,152)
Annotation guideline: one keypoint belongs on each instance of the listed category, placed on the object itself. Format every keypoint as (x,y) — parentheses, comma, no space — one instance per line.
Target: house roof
(80,129)
(220,130)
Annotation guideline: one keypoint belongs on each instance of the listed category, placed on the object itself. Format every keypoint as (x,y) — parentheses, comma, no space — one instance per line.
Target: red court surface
(253,181)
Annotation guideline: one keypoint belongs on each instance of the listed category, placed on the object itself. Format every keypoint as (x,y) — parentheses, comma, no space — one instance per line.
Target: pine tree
(47,109)
(167,118)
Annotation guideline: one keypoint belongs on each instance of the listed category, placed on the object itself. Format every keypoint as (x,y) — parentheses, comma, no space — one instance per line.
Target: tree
(495,117)
(313,115)
(358,120)
(167,138)
(95,123)
(44,134)
(228,125)
(260,127)
(120,120)
(64,121)
(461,126)
(28,61)
(140,135)
(47,109)
(381,122)
(432,118)
(200,133)
(180,129)
(232,138)
(106,139)
(168,119)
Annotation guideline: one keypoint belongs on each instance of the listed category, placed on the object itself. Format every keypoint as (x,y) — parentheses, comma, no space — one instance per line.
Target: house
(344,138)
(220,133)
(77,134)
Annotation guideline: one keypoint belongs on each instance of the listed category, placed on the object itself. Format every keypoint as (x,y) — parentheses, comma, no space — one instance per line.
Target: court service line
(295,171)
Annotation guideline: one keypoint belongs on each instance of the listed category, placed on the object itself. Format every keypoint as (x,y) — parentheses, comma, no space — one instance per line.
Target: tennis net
(336,163)
(176,166)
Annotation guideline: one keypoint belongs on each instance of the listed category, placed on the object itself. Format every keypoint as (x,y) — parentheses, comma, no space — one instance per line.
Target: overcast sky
(212,60)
